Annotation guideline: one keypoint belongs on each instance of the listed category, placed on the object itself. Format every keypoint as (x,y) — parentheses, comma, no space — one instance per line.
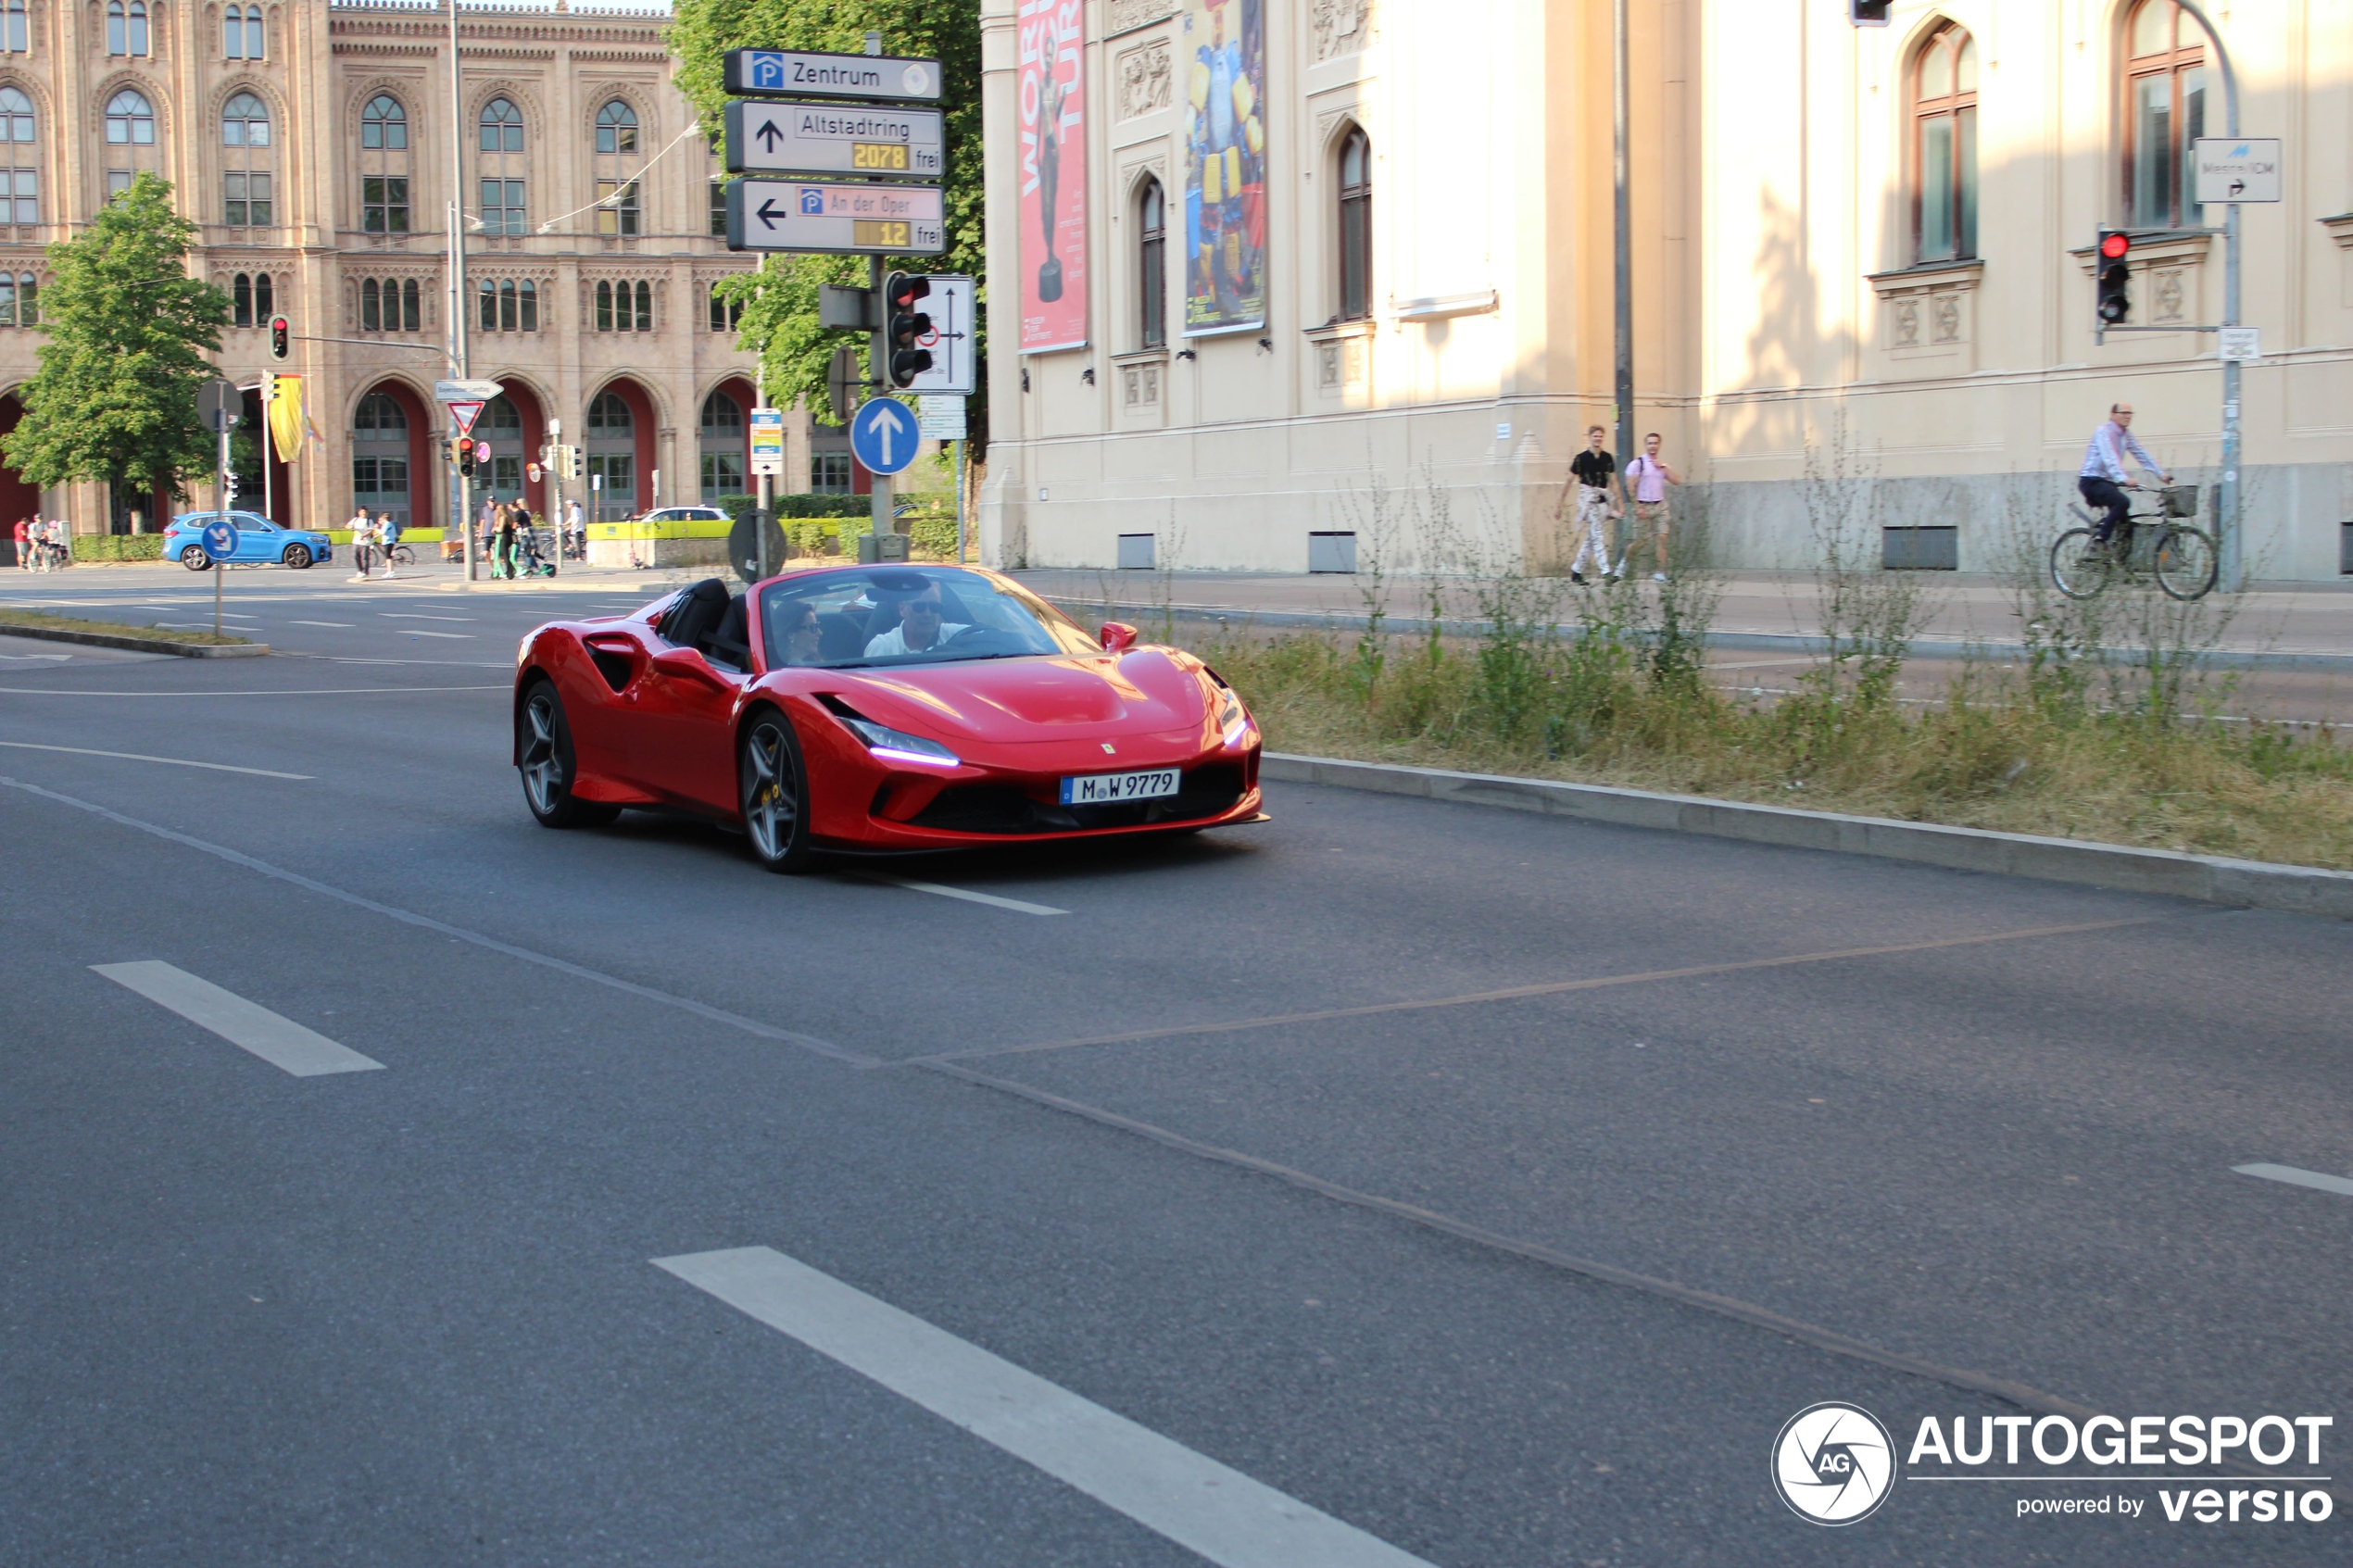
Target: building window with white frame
(1944,146)
(2164,116)
(1151,266)
(1356,226)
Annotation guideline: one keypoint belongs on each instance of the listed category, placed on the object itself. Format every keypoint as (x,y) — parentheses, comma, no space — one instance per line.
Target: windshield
(892,615)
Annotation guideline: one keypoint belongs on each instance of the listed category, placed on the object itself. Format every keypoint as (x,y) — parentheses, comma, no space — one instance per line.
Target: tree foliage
(780,300)
(129,335)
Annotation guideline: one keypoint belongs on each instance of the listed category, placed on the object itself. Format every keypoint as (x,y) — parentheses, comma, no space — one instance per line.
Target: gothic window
(126,27)
(264,305)
(719,210)
(130,126)
(20,300)
(722,448)
(409,316)
(383,167)
(500,142)
(241,33)
(508,306)
(252,300)
(726,315)
(245,135)
(21,182)
(1356,226)
(371,318)
(645,307)
(617,164)
(2164,116)
(1944,146)
(20,40)
(1151,266)
(379,457)
(241,300)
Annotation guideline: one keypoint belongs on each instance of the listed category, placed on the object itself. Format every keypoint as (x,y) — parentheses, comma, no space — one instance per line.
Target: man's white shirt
(893,642)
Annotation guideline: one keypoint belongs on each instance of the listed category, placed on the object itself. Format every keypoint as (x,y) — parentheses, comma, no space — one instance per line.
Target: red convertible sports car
(878,709)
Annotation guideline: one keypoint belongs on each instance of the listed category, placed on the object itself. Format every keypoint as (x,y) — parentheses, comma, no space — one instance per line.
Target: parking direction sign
(884,435)
(797,73)
(767,441)
(799,215)
(772,138)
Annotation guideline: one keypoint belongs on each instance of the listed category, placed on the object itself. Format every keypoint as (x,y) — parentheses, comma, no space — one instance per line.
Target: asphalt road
(1492,1189)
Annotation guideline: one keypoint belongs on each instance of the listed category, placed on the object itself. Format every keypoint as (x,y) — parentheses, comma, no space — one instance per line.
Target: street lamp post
(458,278)
(2226,499)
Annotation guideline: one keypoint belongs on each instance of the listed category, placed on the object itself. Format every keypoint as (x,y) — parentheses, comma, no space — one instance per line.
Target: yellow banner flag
(285,415)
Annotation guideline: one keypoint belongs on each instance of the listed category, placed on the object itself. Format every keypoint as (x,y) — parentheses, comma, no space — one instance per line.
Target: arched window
(719,210)
(130,126)
(19,294)
(723,448)
(501,127)
(410,320)
(2164,115)
(126,27)
(139,27)
(645,307)
(383,167)
(241,33)
(608,416)
(726,315)
(20,183)
(264,305)
(241,301)
(1944,146)
(1151,266)
(379,457)
(379,415)
(1356,226)
(371,319)
(19,38)
(617,164)
(612,456)
(244,133)
(722,418)
(502,170)
(604,306)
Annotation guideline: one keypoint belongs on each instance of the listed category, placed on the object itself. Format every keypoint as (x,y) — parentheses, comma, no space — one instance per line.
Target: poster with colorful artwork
(1053,175)
(1224,59)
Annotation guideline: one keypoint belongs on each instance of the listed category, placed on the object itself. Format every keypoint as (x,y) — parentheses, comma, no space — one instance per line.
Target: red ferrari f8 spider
(878,709)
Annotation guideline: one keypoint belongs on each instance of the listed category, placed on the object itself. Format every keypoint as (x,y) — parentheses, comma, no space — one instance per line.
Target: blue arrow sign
(884,434)
(219,539)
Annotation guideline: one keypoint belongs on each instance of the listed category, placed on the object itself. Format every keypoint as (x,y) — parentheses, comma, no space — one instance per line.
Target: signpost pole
(764,482)
(2226,498)
(265,446)
(1623,243)
(956,465)
(221,568)
(877,370)
(458,300)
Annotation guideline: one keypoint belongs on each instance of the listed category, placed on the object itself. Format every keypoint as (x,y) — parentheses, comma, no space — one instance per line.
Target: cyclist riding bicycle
(2104,479)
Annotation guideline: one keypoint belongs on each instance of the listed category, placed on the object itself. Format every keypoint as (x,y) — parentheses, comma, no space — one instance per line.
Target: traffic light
(278,336)
(1867,13)
(2115,277)
(466,456)
(908,326)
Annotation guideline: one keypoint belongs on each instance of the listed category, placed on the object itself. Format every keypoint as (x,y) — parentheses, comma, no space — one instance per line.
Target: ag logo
(1834,1463)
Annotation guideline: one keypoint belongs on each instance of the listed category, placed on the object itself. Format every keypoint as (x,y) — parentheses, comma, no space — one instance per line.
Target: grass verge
(114,628)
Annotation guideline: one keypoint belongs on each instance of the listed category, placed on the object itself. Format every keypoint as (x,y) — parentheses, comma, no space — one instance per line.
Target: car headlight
(1232,722)
(898,746)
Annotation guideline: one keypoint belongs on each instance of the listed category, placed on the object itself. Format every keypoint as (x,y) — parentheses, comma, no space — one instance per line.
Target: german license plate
(1110,789)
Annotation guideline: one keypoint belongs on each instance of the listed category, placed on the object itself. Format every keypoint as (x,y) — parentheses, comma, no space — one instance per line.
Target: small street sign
(465,390)
(482,451)
(219,539)
(884,435)
(773,138)
(220,405)
(2237,169)
(940,417)
(797,73)
(767,441)
(2240,342)
(836,219)
(531,472)
(463,415)
(950,304)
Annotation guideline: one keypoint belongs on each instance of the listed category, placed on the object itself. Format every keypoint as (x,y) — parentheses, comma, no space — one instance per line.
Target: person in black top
(1588,492)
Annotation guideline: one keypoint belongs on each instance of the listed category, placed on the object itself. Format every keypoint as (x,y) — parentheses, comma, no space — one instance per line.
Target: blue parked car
(259,542)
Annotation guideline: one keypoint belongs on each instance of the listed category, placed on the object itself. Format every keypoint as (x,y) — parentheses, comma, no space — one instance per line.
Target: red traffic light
(2114,244)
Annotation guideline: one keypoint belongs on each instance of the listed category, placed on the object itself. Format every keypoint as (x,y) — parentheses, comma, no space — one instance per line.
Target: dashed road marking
(1017,905)
(170,762)
(281,1042)
(2294,1177)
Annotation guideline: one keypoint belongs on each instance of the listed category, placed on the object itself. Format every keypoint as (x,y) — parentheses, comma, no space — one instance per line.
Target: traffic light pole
(879,374)
(2226,499)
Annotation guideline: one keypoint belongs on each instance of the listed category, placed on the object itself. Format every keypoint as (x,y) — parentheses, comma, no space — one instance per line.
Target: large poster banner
(1053,175)
(1225,166)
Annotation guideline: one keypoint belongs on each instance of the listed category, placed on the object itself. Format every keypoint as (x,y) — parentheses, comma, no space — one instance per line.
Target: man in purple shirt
(2104,479)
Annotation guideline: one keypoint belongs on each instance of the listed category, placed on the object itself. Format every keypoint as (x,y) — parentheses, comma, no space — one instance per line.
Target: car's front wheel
(774,787)
(194,558)
(544,741)
(297,555)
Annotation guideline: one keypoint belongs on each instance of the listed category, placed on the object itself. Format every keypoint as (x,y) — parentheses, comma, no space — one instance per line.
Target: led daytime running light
(898,746)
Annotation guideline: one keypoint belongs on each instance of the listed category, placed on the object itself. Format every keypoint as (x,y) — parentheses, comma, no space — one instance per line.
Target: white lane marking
(1201,1505)
(2295,1177)
(339,625)
(136,757)
(400,615)
(421,632)
(36,657)
(281,1042)
(1016,905)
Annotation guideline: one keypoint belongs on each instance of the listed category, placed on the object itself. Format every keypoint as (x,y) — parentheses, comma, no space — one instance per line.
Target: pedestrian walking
(57,552)
(504,566)
(578,531)
(388,532)
(23,538)
(1647,477)
(361,528)
(1587,493)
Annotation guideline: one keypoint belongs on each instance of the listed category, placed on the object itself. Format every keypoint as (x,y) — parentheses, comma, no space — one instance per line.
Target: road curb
(136,644)
(2211,879)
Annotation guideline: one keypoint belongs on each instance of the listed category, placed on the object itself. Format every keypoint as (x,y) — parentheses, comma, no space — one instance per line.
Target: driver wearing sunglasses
(920,628)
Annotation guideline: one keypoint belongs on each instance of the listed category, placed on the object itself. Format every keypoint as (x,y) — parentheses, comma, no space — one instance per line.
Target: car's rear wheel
(774,787)
(194,558)
(297,555)
(545,742)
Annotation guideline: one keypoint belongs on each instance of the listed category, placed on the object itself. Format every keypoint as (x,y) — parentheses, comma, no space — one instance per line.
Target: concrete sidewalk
(2278,625)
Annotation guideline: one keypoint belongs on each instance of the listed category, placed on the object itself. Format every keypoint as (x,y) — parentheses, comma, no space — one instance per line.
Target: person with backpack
(388,532)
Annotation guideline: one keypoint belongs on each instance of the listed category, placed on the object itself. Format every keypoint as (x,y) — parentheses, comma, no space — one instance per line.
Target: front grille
(1204,792)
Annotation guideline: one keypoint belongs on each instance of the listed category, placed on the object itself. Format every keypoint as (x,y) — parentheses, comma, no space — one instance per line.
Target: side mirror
(1118,636)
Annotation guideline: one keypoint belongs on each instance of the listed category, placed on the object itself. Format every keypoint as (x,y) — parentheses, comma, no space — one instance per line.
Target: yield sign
(465,414)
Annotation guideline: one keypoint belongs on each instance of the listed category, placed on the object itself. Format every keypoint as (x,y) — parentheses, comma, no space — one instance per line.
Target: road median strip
(134,639)
(2212,879)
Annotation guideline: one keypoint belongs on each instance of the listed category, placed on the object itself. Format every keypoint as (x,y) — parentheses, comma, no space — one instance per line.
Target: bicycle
(2182,558)
(402,556)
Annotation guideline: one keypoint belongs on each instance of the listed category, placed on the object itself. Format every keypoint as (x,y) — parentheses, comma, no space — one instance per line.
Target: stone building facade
(1857,251)
(311,140)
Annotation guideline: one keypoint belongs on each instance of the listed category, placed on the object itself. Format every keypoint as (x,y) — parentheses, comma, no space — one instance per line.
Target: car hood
(1140,691)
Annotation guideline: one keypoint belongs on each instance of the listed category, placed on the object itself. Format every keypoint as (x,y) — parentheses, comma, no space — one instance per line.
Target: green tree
(780,300)
(129,336)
